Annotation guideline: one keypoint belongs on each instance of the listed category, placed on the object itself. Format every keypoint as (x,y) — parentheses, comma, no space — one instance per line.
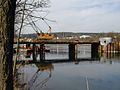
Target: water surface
(102,74)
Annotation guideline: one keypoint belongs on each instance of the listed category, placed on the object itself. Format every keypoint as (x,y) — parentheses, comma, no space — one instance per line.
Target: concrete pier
(72,52)
(42,52)
(94,51)
(34,52)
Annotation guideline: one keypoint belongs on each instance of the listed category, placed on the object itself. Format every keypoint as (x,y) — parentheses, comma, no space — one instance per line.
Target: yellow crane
(44,36)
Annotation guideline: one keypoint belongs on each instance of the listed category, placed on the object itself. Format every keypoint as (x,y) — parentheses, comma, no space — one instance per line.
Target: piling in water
(110,48)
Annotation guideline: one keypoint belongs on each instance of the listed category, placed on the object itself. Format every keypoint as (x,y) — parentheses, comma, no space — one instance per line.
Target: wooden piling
(101,50)
(118,47)
(110,48)
(27,45)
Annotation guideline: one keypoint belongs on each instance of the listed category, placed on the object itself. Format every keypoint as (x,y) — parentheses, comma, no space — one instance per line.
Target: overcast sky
(85,15)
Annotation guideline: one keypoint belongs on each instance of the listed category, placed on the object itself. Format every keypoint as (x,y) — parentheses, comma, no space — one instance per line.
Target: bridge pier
(28,45)
(72,52)
(42,52)
(34,52)
(94,50)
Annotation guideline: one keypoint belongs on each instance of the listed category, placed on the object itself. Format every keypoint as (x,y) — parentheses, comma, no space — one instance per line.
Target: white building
(105,40)
(85,36)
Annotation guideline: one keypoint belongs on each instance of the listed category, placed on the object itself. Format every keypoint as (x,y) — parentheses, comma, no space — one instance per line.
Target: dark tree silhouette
(7,17)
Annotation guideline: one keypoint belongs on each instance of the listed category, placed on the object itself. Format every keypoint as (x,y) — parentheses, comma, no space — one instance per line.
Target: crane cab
(45,36)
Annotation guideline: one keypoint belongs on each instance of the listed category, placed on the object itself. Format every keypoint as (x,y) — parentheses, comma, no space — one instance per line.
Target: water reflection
(75,75)
(109,57)
(41,73)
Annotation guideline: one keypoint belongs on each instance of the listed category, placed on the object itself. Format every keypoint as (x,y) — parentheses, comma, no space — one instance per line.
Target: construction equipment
(41,35)
(45,36)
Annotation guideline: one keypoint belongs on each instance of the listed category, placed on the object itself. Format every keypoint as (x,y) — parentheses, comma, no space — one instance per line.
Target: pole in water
(87,84)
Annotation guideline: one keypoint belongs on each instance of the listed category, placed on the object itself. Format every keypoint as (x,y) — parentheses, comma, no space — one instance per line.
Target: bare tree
(28,12)
(7,19)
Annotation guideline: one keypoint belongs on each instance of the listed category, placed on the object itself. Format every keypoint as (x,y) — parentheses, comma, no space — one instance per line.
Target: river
(99,74)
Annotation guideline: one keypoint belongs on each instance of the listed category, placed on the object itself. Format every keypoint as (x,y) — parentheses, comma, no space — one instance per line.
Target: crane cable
(47,25)
(34,26)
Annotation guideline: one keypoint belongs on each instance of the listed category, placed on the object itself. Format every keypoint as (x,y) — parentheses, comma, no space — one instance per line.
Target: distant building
(85,36)
(105,40)
(69,37)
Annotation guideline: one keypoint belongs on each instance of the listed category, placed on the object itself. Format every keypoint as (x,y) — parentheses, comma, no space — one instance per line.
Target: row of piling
(110,48)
